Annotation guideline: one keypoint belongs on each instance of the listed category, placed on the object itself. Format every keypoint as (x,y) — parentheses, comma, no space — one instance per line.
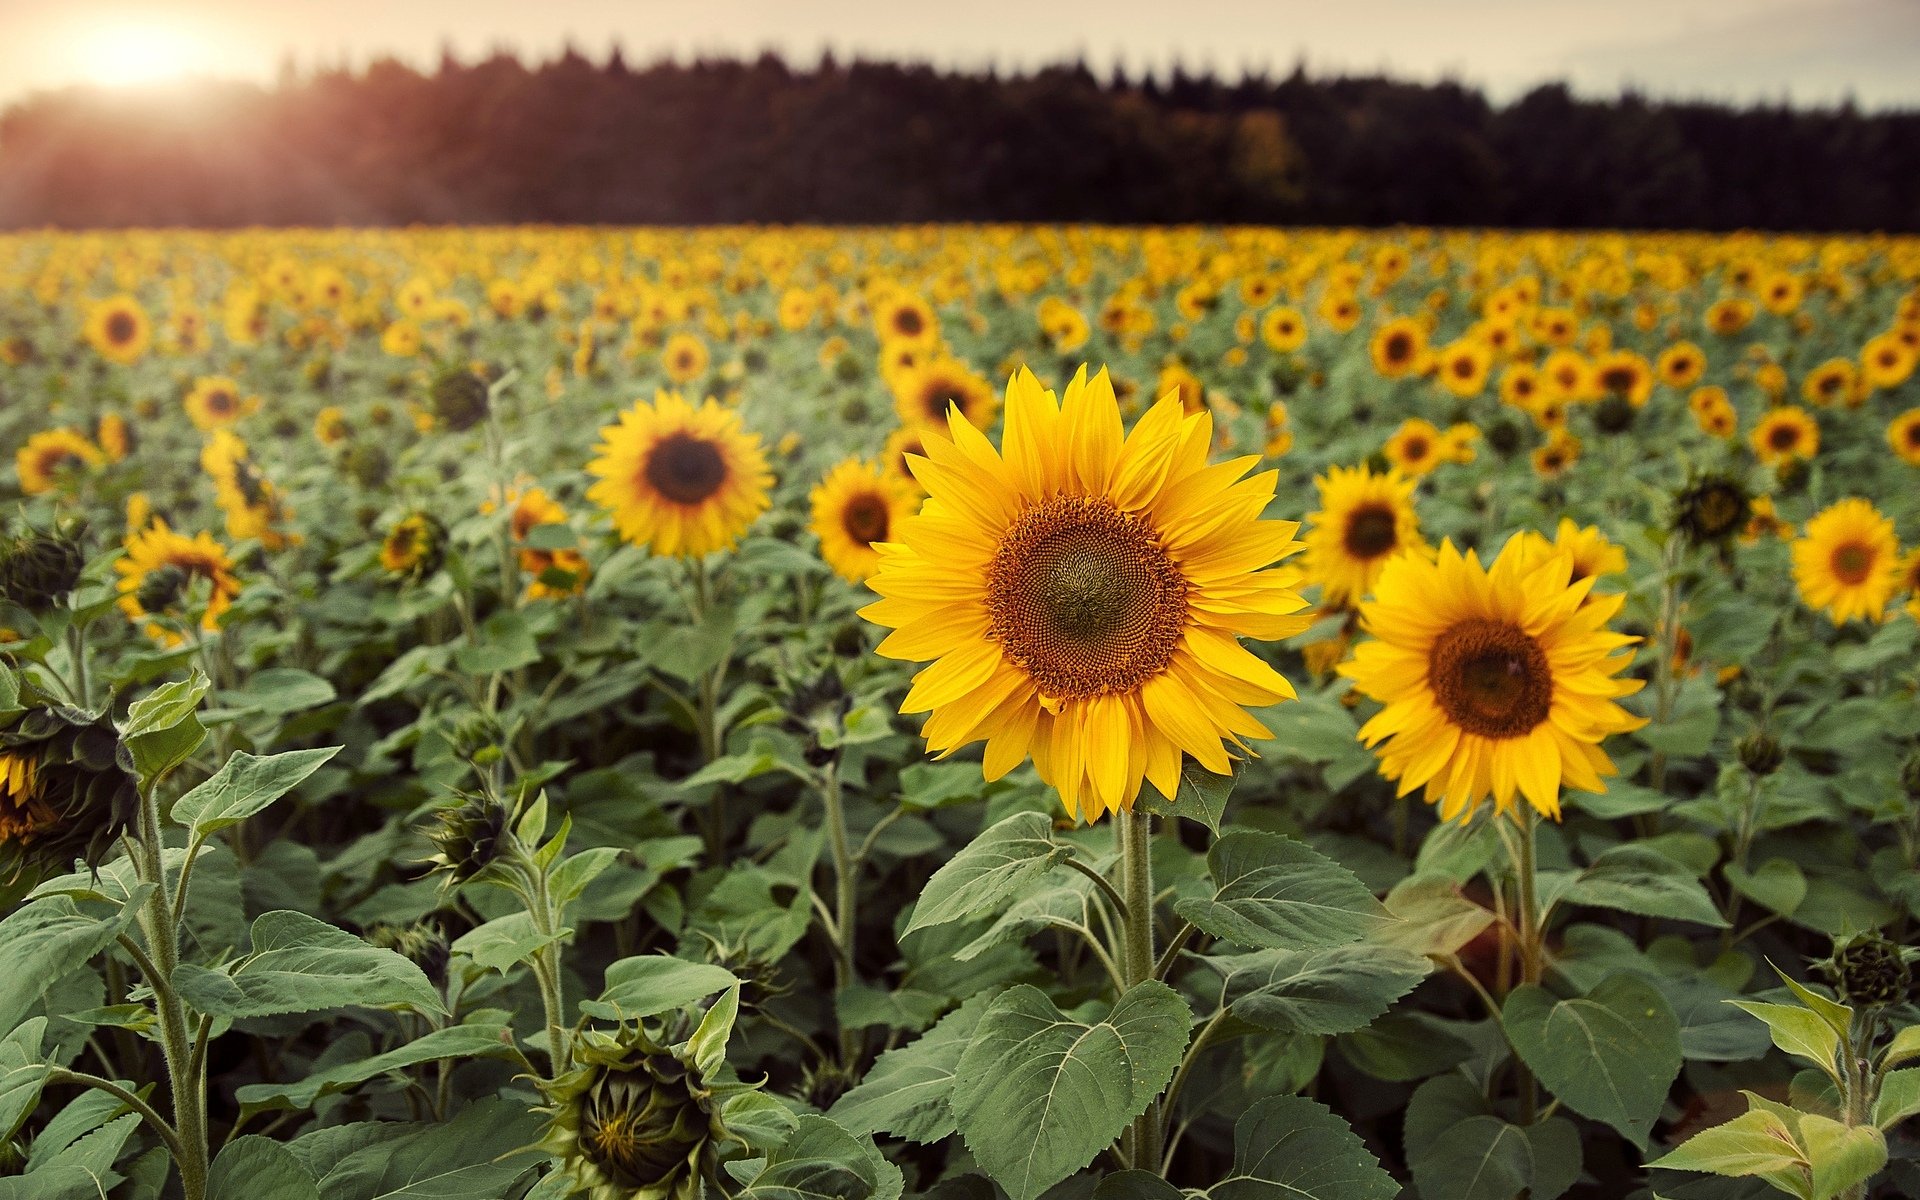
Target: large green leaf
(992,870)
(258,1168)
(1290,1146)
(819,1161)
(1435,916)
(162,730)
(1038,1094)
(244,786)
(1331,990)
(22,1074)
(1637,880)
(908,1090)
(300,965)
(654,983)
(1458,1150)
(43,941)
(1610,1055)
(478,1038)
(1201,796)
(1277,893)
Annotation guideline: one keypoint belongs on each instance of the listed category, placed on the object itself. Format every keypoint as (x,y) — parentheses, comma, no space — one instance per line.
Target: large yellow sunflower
(858,504)
(1364,520)
(49,454)
(1848,564)
(119,329)
(681,480)
(1080,593)
(162,572)
(923,393)
(1496,681)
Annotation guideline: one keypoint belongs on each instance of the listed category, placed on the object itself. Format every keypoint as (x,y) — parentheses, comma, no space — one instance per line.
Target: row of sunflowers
(524,712)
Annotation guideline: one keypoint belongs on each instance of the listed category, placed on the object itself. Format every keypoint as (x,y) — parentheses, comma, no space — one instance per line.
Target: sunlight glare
(129,53)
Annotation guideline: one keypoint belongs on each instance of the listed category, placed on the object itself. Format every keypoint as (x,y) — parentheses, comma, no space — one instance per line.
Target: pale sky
(1810,51)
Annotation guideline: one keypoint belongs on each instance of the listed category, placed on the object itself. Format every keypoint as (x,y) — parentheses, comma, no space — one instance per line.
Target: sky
(1803,51)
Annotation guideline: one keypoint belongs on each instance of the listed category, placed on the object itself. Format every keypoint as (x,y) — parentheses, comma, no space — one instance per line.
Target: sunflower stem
(1137,963)
(1531,936)
(845,895)
(184,1072)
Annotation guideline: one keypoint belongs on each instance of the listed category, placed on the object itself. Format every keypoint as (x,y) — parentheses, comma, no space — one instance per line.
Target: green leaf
(258,1168)
(1136,1185)
(471,1157)
(1557,1157)
(1301,1148)
(571,877)
(300,965)
(820,1161)
(990,871)
(1610,1055)
(1645,882)
(244,786)
(480,1037)
(46,939)
(1899,1098)
(504,942)
(1479,1158)
(1435,916)
(22,1074)
(1327,991)
(1800,1032)
(1904,1047)
(906,1092)
(650,984)
(1841,1157)
(1779,885)
(1277,893)
(1201,796)
(1038,1095)
(162,730)
(708,1044)
(279,691)
(1755,1142)
(504,643)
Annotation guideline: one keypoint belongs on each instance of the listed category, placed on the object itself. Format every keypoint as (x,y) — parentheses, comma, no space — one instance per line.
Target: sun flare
(134,53)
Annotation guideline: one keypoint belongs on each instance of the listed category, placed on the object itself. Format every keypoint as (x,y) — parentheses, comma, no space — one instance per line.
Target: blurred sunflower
(1560,452)
(684,358)
(905,317)
(1081,592)
(1398,347)
(680,480)
(1785,434)
(1848,563)
(1593,555)
(1833,382)
(1624,374)
(161,572)
(52,454)
(1886,362)
(119,329)
(214,402)
(1462,367)
(1283,329)
(855,506)
(1364,519)
(1176,379)
(1681,365)
(922,394)
(1495,682)
(414,548)
(1903,434)
(114,436)
(1415,448)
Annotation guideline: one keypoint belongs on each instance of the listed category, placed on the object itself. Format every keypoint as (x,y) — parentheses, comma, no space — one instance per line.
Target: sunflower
(857,505)
(49,455)
(1064,325)
(1520,385)
(1283,329)
(1081,593)
(330,426)
(1910,582)
(161,570)
(681,480)
(684,358)
(1495,681)
(1176,379)
(1594,556)
(1560,452)
(1903,434)
(414,548)
(1848,564)
(1833,381)
(1728,317)
(1340,310)
(1713,412)
(1886,362)
(922,394)
(906,440)
(1625,374)
(1417,447)
(119,329)
(1398,347)
(1680,365)
(905,317)
(1462,367)
(1785,434)
(214,402)
(1364,519)
(1570,376)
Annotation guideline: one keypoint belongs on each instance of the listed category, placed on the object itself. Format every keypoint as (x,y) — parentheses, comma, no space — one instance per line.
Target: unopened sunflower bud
(459,399)
(39,568)
(1760,753)
(471,837)
(162,589)
(1615,414)
(1869,972)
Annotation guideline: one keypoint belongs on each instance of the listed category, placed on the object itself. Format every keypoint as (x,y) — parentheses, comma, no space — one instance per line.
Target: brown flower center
(907,322)
(1371,531)
(121,327)
(1398,348)
(1783,437)
(1852,563)
(685,469)
(865,518)
(1085,599)
(1491,678)
(1414,449)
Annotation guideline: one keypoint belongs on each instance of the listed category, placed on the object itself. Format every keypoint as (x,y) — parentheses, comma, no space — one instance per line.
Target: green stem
(546,971)
(184,1078)
(845,899)
(1137,962)
(1531,936)
(154,1120)
(77,650)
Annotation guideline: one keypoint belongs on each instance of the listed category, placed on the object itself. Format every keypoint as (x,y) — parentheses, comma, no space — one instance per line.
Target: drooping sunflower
(415,547)
(163,571)
(1497,681)
(1398,347)
(1364,519)
(49,455)
(856,505)
(1081,590)
(681,480)
(1785,434)
(1848,563)
(119,329)
(1903,434)
(923,393)
(1415,448)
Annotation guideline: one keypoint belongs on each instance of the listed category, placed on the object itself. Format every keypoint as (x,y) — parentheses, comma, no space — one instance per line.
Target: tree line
(577,141)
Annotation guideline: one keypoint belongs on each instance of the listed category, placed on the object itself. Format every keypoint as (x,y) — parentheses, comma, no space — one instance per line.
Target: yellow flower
(114,436)
(1496,682)
(1903,434)
(165,569)
(1625,374)
(1886,362)
(1593,555)
(1080,592)
(402,339)
(1833,381)
(48,455)
(680,480)
(1681,365)
(905,317)
(1398,347)
(119,329)
(1910,583)
(1364,519)
(214,402)
(330,426)
(1713,412)
(684,358)
(1560,453)
(857,505)
(1283,329)
(923,393)
(1848,563)
(1784,434)
(1417,447)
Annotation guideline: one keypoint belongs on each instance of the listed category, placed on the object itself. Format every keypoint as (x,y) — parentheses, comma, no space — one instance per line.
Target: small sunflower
(1081,592)
(905,317)
(923,393)
(1681,365)
(1557,456)
(214,402)
(1496,681)
(904,441)
(119,329)
(1283,329)
(684,358)
(857,505)
(1833,382)
(161,571)
(1886,362)
(681,480)
(114,436)
(1417,447)
(1363,521)
(1626,375)
(1903,434)
(1713,412)
(1398,347)
(1711,508)
(414,548)
(1462,367)
(1784,435)
(1848,563)
(51,455)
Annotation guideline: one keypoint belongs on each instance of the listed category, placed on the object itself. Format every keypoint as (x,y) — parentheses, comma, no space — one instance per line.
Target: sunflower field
(959,712)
